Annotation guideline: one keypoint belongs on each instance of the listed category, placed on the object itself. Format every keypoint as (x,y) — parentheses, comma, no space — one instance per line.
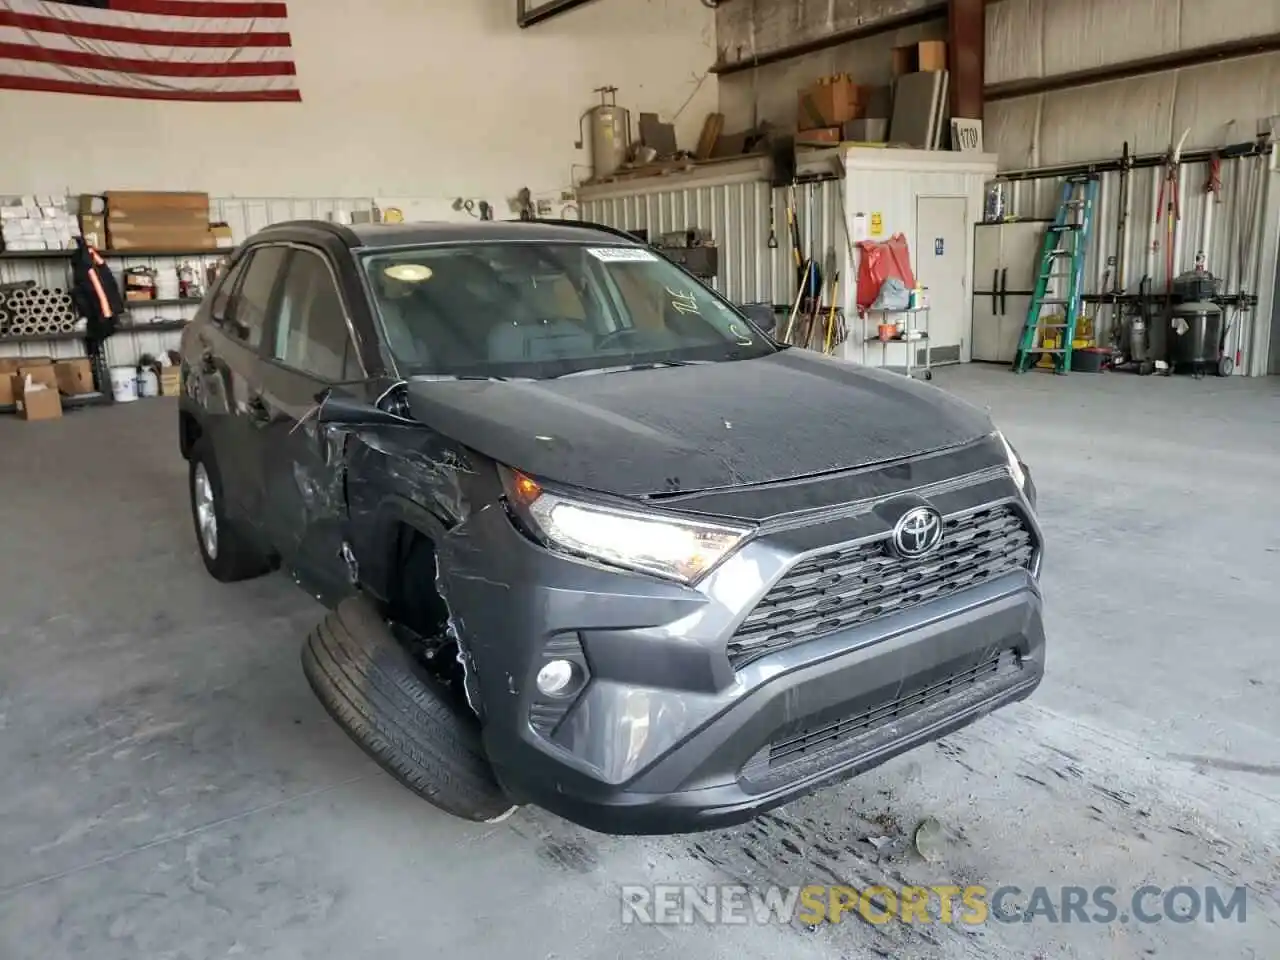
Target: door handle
(995,288)
(1004,290)
(259,412)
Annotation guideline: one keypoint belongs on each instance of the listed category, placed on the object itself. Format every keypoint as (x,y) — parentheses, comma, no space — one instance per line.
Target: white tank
(609,131)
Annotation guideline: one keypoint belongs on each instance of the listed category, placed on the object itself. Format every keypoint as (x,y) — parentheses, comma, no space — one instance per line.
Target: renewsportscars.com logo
(971,905)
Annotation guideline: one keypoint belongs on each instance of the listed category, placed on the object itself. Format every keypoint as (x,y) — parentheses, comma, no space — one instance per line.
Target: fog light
(556,678)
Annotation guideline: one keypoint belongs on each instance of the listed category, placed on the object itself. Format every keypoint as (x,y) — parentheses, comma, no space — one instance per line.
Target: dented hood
(681,429)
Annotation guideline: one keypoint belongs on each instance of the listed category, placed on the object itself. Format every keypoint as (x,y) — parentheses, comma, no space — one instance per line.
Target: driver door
(309,348)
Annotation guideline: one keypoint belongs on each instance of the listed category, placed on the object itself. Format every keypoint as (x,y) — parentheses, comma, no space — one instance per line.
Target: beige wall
(416,98)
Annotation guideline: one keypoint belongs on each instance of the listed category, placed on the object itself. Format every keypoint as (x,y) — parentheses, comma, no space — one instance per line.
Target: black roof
(381,235)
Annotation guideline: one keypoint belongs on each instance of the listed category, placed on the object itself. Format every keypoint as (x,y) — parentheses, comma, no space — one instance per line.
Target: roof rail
(343,232)
(585,225)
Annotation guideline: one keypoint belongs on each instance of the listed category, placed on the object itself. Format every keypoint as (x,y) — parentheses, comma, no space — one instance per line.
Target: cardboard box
(11,364)
(42,373)
(170,381)
(931,55)
(93,227)
(221,233)
(158,218)
(829,103)
(74,376)
(925,56)
(164,241)
(36,404)
(140,202)
(160,238)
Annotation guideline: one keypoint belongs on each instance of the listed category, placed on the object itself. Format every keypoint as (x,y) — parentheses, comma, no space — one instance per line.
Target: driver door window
(311,332)
(246,315)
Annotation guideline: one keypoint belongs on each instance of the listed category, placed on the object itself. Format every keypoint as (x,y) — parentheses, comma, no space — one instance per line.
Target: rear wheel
(227,553)
(410,722)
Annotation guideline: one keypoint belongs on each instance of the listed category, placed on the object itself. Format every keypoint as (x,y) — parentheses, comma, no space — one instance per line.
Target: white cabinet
(1006,261)
(986,330)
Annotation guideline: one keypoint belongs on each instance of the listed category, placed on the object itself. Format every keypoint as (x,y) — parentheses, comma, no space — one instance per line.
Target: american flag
(225,50)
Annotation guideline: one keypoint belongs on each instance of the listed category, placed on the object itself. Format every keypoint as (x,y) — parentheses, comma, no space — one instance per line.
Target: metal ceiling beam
(528,12)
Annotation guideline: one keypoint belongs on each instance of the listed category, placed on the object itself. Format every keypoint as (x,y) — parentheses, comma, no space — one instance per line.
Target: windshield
(541,310)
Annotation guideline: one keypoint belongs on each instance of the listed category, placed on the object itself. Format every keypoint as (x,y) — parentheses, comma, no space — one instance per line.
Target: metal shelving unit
(160,326)
(915,334)
(94,349)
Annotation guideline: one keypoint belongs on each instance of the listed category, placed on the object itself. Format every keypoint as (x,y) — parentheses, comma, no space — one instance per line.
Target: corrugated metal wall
(245,216)
(1228,229)
(1217,102)
(1231,228)
(737,216)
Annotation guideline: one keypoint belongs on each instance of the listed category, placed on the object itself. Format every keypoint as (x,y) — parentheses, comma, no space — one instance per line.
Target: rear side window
(248,313)
(220,305)
(311,330)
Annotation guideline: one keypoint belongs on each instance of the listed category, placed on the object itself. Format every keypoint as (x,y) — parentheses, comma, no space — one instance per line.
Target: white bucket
(124,384)
(148,384)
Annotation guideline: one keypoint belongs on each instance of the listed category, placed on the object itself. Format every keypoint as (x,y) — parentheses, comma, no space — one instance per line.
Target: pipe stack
(36,311)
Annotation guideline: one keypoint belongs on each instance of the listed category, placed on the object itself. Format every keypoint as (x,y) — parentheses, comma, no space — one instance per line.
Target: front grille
(806,744)
(851,585)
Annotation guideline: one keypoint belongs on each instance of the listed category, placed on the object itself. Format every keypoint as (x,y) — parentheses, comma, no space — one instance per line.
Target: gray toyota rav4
(589,538)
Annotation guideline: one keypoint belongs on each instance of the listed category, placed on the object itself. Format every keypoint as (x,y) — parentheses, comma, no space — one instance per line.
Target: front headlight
(671,547)
(1015,465)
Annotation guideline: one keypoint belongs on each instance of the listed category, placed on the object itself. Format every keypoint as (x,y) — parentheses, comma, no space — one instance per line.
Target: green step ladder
(1061,258)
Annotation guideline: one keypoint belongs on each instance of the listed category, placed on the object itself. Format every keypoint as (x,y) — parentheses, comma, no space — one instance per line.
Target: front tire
(407,721)
(228,555)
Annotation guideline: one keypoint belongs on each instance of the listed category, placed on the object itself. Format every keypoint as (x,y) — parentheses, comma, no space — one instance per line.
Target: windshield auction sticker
(622,254)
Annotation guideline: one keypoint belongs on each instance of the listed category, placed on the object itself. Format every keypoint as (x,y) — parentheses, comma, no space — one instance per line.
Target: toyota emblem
(917,532)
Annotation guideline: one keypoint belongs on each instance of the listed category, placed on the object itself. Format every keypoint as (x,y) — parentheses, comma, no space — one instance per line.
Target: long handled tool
(832,339)
(810,277)
(1169,204)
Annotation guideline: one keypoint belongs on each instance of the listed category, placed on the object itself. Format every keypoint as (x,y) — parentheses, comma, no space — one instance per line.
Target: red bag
(882,259)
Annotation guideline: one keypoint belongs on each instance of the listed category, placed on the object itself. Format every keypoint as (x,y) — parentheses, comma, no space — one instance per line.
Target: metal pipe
(1245,149)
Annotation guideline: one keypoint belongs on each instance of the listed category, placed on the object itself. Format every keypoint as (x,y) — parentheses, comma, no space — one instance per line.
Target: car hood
(684,429)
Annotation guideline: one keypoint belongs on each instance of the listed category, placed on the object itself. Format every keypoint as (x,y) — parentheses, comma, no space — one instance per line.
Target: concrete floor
(170,789)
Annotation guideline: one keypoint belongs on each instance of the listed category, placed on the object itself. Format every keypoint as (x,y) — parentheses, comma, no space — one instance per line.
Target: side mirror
(346,410)
(762,315)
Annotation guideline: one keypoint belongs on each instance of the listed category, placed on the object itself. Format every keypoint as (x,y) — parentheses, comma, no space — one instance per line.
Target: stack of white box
(37,223)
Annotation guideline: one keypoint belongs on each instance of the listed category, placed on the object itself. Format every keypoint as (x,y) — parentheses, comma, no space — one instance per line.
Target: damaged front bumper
(668,731)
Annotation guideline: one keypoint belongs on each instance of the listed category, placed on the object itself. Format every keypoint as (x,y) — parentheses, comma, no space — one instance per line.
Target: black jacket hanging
(95,292)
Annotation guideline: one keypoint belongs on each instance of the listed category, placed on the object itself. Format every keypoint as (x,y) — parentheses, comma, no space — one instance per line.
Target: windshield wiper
(627,367)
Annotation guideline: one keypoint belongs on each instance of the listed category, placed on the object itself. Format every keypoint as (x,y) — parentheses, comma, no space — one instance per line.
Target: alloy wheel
(206,516)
